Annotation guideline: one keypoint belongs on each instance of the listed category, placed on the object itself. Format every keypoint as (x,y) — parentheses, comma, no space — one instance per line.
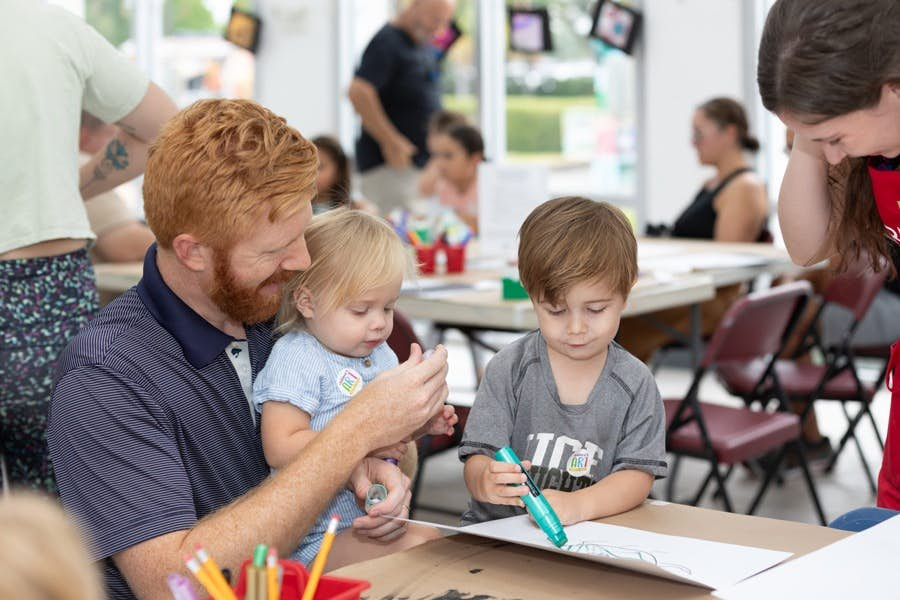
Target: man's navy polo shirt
(149,425)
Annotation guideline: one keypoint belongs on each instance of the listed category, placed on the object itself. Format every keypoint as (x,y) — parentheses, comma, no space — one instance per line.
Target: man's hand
(400,401)
(398,152)
(379,524)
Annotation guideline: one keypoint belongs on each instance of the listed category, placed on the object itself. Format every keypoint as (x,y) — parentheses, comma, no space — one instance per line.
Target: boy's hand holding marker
(500,482)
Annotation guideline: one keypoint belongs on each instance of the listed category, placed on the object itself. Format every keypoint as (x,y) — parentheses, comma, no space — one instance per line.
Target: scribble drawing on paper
(627,553)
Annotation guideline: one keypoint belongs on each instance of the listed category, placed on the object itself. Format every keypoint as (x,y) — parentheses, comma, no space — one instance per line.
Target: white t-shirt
(53,64)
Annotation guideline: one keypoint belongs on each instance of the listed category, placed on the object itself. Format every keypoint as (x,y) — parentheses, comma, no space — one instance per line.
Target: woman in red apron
(830,70)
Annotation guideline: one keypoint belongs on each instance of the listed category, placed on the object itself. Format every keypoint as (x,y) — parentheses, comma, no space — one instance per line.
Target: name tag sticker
(349,382)
(579,463)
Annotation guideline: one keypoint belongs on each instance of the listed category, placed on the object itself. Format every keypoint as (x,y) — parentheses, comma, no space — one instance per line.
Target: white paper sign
(506,196)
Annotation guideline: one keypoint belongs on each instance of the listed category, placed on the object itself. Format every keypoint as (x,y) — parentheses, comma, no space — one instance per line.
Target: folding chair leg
(875,427)
(670,480)
(720,483)
(852,422)
(810,484)
(865,465)
(703,487)
(771,472)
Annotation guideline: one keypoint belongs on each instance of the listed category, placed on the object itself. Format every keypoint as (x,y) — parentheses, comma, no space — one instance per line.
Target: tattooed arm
(124,156)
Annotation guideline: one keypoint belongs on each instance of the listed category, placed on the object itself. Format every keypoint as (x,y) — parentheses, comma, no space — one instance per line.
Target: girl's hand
(440,424)
(396,451)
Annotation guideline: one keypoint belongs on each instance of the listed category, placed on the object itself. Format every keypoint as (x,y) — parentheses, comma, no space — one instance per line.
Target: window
(574,108)
(181,46)
(459,69)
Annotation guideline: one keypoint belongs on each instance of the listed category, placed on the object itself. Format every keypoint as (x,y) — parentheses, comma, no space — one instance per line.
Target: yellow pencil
(321,558)
(194,567)
(212,570)
(272,574)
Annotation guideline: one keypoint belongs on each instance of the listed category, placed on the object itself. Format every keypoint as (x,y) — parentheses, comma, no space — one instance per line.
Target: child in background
(333,181)
(584,415)
(439,122)
(456,153)
(334,319)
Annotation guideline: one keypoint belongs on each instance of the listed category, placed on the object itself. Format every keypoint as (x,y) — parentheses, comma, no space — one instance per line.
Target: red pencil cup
(293,581)
(456,258)
(425,259)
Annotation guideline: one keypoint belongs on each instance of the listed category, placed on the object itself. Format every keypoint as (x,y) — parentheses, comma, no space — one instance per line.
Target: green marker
(537,504)
(259,555)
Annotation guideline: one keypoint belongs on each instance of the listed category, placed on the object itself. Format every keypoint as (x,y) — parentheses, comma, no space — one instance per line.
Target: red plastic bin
(293,581)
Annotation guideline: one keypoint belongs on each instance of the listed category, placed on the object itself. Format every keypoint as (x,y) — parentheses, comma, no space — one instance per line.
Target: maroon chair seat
(798,380)
(736,435)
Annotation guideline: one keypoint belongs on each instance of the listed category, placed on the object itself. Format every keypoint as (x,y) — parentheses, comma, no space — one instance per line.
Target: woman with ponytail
(732,206)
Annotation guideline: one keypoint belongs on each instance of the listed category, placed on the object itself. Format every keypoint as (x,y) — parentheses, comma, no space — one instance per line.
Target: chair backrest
(755,326)
(402,336)
(855,292)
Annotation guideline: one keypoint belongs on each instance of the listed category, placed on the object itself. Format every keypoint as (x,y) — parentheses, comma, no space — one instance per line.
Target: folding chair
(401,337)
(835,380)
(753,329)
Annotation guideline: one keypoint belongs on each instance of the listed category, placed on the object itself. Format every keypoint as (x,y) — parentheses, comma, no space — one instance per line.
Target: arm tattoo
(116,155)
(115,158)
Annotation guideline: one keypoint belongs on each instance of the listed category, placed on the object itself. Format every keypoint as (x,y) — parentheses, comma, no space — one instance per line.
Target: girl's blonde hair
(42,556)
(351,252)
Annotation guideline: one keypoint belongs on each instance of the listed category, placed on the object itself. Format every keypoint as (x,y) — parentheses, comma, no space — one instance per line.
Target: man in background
(395,91)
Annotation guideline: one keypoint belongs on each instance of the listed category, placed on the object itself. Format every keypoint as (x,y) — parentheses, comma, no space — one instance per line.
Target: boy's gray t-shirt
(620,426)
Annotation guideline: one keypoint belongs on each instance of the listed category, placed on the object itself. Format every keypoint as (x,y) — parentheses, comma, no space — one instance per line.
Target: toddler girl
(334,321)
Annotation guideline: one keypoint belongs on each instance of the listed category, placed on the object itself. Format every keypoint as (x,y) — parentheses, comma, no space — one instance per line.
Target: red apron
(886,188)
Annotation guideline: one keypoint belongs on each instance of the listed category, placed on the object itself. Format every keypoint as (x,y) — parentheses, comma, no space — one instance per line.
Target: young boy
(583,414)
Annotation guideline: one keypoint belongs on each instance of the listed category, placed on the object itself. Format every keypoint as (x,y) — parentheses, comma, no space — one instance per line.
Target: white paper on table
(700,261)
(506,196)
(658,249)
(862,565)
(697,562)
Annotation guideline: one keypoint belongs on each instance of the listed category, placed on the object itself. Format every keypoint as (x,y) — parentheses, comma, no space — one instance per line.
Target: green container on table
(513,290)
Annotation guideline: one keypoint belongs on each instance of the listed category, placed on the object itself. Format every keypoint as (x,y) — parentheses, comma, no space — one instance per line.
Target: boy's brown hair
(570,240)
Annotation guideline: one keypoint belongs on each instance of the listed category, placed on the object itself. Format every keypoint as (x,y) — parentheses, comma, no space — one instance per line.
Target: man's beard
(245,304)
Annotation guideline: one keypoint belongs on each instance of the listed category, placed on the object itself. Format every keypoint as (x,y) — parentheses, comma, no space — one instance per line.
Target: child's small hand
(442,422)
(496,478)
(565,505)
(396,451)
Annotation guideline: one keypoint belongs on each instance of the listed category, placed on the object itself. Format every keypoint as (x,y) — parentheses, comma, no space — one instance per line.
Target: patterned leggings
(43,303)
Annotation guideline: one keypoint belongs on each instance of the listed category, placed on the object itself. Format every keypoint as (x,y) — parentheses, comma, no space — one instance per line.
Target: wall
(693,50)
(296,67)
(302,69)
